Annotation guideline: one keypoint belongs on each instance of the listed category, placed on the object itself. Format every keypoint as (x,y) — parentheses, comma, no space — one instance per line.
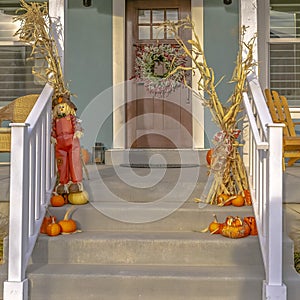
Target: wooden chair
(280,113)
(16,112)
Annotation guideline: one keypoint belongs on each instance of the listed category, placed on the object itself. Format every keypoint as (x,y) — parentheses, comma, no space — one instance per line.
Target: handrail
(32,178)
(265,180)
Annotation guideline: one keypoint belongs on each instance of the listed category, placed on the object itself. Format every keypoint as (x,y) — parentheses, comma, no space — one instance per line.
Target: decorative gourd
(238,200)
(78,198)
(57,200)
(215,227)
(223,200)
(235,228)
(209,156)
(252,224)
(53,228)
(68,225)
(46,221)
(248,200)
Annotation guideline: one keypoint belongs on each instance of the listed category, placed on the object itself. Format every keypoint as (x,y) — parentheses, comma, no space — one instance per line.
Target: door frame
(119,69)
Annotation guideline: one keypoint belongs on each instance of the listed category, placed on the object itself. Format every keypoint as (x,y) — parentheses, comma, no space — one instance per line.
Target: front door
(164,120)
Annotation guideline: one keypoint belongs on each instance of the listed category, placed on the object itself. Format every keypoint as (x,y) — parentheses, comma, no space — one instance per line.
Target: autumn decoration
(68,225)
(78,198)
(233,227)
(53,229)
(41,32)
(227,174)
(36,30)
(154,67)
(57,200)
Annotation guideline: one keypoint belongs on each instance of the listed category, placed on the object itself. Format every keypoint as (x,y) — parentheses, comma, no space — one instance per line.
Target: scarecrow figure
(66,132)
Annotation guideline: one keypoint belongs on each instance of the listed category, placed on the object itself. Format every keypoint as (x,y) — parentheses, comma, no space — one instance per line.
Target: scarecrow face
(62,109)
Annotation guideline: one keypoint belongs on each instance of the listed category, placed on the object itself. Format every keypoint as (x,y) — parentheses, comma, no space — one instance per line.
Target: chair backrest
(279,110)
(18,110)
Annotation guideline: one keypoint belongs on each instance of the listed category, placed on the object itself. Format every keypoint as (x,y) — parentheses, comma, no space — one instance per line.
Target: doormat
(161,166)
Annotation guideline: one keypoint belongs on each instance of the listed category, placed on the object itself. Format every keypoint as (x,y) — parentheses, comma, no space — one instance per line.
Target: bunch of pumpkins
(235,200)
(234,227)
(51,227)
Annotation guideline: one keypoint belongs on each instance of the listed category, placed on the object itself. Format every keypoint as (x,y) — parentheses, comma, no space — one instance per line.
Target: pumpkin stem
(69,212)
(215,218)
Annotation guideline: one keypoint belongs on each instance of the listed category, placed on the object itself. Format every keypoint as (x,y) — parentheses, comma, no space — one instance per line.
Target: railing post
(16,286)
(273,287)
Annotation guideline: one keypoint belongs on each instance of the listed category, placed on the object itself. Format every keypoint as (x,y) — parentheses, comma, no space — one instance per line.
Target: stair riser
(214,251)
(128,288)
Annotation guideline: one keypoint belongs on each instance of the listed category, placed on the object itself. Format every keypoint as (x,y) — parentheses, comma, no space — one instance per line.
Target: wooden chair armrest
(5,130)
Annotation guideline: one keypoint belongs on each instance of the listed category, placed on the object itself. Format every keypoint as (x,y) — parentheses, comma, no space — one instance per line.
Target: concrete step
(94,282)
(188,217)
(159,248)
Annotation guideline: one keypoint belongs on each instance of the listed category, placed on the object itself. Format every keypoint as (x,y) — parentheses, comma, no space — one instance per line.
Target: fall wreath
(154,67)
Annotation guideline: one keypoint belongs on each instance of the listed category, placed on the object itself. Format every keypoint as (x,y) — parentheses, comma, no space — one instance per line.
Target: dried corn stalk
(227,171)
(36,30)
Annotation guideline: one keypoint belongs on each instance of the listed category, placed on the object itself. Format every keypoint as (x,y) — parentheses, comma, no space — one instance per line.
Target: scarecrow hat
(65,98)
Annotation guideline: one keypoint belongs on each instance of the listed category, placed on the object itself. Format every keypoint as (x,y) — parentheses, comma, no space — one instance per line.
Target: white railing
(264,162)
(32,178)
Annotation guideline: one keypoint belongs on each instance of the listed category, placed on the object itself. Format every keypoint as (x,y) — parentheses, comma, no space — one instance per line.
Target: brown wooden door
(155,122)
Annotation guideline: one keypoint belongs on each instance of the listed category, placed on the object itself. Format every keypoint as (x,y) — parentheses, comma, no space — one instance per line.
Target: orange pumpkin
(209,156)
(223,199)
(45,223)
(252,224)
(68,225)
(238,200)
(248,199)
(53,228)
(57,200)
(235,228)
(215,227)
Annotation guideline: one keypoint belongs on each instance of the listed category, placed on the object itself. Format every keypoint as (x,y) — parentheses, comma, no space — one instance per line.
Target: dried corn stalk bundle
(36,30)
(227,171)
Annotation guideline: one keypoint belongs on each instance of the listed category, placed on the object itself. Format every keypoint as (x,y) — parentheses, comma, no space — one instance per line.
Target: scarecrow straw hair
(232,178)
(36,30)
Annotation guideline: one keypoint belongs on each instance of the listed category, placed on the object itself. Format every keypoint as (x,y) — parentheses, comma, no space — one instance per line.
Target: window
(285,49)
(150,23)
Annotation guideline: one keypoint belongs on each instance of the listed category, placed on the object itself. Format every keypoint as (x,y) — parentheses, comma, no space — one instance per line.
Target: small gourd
(238,200)
(248,200)
(78,198)
(223,200)
(235,228)
(68,225)
(46,221)
(209,156)
(57,200)
(53,229)
(215,227)
(252,224)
